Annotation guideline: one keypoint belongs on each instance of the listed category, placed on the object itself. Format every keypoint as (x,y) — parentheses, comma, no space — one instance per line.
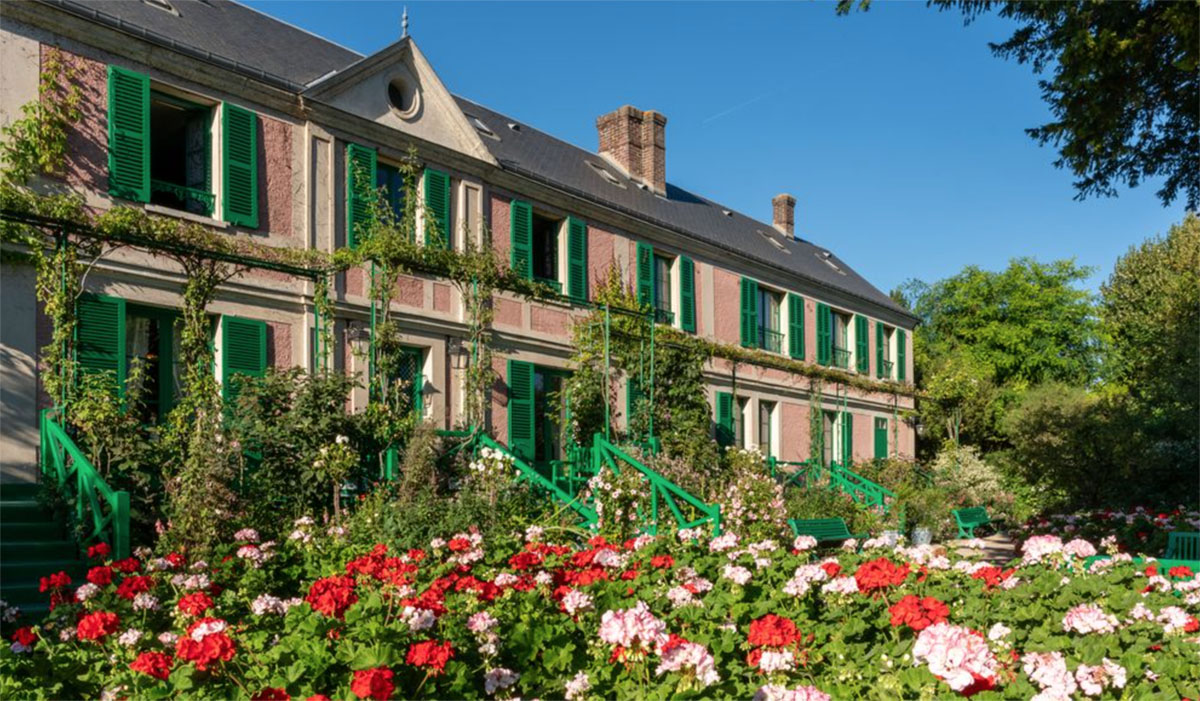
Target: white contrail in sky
(738,106)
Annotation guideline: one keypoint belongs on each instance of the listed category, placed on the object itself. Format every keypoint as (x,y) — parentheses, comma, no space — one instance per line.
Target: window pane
(662,283)
(545,248)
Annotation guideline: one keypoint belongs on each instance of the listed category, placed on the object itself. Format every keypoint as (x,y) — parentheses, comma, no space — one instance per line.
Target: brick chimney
(636,142)
(783,214)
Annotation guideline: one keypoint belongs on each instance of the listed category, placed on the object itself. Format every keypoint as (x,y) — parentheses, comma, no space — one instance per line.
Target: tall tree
(1122,86)
(1151,316)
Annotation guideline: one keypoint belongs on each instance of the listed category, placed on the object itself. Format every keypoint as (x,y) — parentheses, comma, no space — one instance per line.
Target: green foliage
(985,337)
(1122,89)
(36,144)
(820,502)
(1152,321)
(752,504)
(282,421)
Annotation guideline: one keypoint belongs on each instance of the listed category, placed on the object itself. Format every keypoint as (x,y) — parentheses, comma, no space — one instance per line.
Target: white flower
(804,542)
(776,661)
(418,618)
(266,603)
(168,638)
(723,542)
(578,686)
(998,632)
(533,534)
(737,574)
(86,591)
(246,535)
(481,622)
(575,601)
(499,678)
(130,637)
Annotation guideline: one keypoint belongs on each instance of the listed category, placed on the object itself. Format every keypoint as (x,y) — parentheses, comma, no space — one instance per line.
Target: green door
(550,412)
(152,337)
(881,439)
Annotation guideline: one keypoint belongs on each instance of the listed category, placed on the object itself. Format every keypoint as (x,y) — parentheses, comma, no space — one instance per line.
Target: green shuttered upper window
(437,208)
(361,162)
(243,352)
(160,150)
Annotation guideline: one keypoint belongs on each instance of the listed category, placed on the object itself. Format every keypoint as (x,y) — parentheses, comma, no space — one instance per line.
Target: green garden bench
(824,529)
(1182,546)
(971,518)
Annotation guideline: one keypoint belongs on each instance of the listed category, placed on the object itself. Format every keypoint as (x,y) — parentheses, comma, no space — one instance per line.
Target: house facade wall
(302,205)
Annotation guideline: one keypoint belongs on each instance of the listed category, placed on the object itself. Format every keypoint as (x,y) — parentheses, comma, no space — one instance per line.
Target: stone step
(20,491)
(31,530)
(36,550)
(22,510)
(17,573)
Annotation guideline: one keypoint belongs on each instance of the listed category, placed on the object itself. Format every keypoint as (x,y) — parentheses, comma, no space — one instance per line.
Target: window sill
(186,216)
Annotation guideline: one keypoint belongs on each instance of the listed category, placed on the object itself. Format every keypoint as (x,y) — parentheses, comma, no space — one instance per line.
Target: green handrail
(529,473)
(862,490)
(105,508)
(661,489)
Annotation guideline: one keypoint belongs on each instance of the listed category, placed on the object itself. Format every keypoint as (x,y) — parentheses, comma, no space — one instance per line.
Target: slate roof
(228,32)
(244,39)
(543,157)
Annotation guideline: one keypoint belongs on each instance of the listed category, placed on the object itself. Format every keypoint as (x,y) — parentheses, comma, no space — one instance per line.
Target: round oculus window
(403,97)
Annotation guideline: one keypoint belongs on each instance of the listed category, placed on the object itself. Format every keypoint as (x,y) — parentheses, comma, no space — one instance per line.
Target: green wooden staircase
(33,544)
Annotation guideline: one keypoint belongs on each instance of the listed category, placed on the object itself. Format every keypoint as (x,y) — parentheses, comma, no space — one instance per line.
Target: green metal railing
(206,199)
(841,358)
(885,369)
(527,473)
(770,340)
(101,512)
(662,491)
(664,316)
(862,490)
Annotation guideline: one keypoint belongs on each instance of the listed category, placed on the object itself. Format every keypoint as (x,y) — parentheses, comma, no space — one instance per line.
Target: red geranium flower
(662,562)
(212,648)
(1180,571)
(100,575)
(132,586)
(24,636)
(98,550)
(524,560)
(272,694)
(773,631)
(129,565)
(416,555)
(155,664)
(97,625)
(195,604)
(879,574)
(431,654)
(918,614)
(58,580)
(458,544)
(831,568)
(373,683)
(332,595)
(992,576)
(318,697)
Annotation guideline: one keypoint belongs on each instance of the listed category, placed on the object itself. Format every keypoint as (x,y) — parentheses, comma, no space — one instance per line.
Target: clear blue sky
(899,133)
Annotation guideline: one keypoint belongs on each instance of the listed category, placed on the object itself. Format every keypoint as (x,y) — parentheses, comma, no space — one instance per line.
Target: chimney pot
(783,211)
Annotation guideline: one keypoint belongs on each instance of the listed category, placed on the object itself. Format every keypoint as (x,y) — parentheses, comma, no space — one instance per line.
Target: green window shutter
(687,294)
(749,313)
(520,409)
(901,354)
(847,439)
(128,135)
(824,334)
(881,438)
(361,164)
(243,352)
(862,343)
(577,249)
(724,419)
(100,337)
(239,165)
(645,273)
(437,204)
(521,238)
(796,326)
(879,351)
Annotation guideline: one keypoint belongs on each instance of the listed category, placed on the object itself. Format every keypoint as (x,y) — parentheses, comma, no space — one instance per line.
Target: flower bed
(535,616)
(1140,530)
